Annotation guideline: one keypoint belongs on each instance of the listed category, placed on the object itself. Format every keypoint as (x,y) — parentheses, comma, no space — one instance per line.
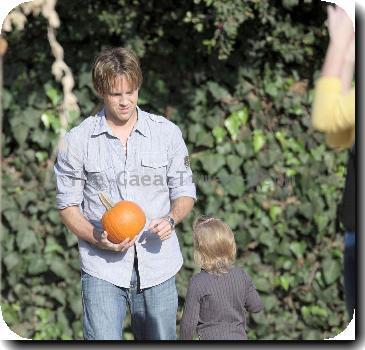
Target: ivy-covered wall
(237,77)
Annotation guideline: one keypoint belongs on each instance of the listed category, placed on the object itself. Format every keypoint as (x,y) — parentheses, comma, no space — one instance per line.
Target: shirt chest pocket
(99,178)
(154,164)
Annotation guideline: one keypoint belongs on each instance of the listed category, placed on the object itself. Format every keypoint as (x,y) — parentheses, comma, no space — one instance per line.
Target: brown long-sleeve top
(215,305)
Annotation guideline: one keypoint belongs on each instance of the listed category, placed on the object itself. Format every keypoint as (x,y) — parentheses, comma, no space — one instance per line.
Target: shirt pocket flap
(96,167)
(154,160)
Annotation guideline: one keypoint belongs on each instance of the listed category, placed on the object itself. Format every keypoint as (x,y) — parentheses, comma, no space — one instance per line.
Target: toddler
(218,296)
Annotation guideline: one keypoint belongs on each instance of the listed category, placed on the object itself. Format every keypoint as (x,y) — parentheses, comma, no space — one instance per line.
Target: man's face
(120,103)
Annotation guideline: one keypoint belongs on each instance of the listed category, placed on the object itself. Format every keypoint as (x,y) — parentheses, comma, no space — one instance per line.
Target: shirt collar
(141,125)
(102,126)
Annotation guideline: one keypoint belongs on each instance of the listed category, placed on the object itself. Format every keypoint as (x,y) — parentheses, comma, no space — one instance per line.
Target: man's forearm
(180,208)
(77,223)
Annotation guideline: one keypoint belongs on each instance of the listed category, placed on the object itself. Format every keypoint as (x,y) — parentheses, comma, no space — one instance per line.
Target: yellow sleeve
(332,112)
(342,139)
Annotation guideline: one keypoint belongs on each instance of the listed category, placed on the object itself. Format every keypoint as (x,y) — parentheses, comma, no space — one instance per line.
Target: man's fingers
(153,224)
(158,224)
(124,243)
(164,234)
(157,228)
(116,246)
(164,231)
(133,241)
(162,226)
(104,235)
(127,243)
(104,243)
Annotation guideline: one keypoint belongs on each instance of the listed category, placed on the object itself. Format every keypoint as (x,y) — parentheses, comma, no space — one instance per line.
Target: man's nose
(123,100)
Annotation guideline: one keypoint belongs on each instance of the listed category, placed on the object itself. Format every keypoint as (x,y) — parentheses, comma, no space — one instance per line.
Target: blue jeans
(153,310)
(350,272)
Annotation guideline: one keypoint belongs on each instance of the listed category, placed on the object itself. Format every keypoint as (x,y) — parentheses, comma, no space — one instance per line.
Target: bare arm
(348,68)
(340,65)
(181,207)
(340,57)
(77,224)
(82,228)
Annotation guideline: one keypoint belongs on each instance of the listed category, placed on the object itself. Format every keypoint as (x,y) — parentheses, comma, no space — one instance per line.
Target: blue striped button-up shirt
(153,171)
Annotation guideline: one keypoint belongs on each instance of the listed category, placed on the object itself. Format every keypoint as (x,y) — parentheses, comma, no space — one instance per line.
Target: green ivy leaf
(212,162)
(11,260)
(36,265)
(52,94)
(274,212)
(262,284)
(331,270)
(298,248)
(290,3)
(54,217)
(258,140)
(25,238)
(52,246)
(205,139)
(270,302)
(219,134)
(59,267)
(235,121)
(234,185)
(285,282)
(21,134)
(7,98)
(234,162)
(50,120)
(41,156)
(218,92)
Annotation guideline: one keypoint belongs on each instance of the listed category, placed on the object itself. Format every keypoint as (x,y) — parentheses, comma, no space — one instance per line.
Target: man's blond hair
(112,63)
(214,245)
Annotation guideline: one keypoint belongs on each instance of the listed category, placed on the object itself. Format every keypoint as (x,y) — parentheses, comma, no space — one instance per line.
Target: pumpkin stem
(105,200)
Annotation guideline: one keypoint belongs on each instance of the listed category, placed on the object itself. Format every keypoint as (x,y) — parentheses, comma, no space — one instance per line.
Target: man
(133,155)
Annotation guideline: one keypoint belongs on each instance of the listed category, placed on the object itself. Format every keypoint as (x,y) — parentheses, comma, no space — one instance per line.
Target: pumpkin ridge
(111,223)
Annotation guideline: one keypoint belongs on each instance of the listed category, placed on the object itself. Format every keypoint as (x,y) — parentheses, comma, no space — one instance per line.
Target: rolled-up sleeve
(179,174)
(69,171)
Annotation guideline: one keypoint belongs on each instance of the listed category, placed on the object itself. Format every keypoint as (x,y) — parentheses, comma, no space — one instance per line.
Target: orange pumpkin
(122,220)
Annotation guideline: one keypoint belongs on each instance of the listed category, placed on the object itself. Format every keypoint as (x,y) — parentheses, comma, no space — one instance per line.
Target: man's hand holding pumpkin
(104,243)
